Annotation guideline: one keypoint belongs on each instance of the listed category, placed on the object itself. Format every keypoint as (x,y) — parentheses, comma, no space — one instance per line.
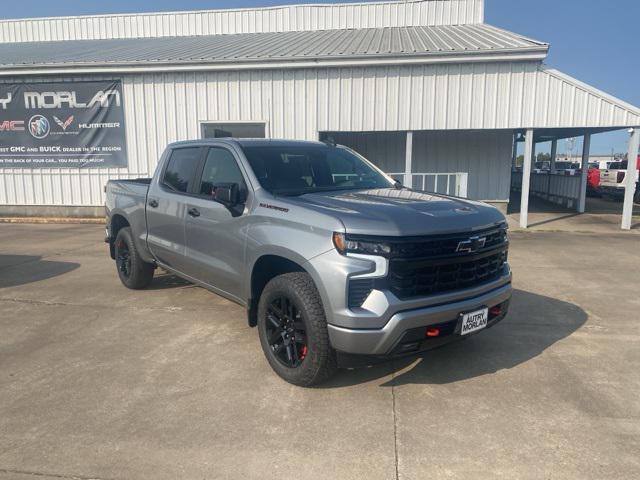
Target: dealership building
(425,89)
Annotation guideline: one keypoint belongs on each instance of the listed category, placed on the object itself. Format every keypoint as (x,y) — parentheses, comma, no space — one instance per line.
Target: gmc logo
(12,126)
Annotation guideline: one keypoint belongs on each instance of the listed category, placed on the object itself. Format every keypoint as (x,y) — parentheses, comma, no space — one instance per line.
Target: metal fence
(559,188)
(445,183)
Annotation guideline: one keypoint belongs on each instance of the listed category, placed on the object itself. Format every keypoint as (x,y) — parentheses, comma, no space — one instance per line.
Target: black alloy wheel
(286,332)
(293,330)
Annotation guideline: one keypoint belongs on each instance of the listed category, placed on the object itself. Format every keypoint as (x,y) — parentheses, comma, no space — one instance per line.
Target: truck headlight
(346,245)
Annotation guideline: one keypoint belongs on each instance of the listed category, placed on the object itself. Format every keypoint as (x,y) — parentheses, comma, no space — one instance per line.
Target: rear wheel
(293,330)
(134,272)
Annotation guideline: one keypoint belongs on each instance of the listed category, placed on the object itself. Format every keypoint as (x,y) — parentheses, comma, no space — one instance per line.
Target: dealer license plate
(474,321)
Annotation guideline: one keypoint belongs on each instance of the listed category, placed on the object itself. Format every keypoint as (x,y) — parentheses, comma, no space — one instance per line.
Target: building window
(236,130)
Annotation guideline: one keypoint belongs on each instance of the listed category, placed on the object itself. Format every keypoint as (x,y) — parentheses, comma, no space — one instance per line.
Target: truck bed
(142,181)
(129,197)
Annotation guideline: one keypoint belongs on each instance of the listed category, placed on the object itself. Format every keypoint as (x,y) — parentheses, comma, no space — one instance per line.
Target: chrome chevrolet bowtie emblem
(472,245)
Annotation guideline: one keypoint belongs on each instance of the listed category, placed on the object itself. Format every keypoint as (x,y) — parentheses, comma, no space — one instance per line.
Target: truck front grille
(423,247)
(420,277)
(436,264)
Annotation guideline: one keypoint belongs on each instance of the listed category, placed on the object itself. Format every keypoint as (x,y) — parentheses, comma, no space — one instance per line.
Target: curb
(53,220)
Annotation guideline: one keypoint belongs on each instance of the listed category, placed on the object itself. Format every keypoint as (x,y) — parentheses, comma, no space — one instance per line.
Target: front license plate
(474,321)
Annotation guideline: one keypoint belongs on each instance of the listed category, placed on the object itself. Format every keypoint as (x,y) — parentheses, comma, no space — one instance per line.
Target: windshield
(300,169)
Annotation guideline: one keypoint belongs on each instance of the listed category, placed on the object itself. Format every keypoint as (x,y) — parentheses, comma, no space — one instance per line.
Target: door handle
(153,203)
(193,212)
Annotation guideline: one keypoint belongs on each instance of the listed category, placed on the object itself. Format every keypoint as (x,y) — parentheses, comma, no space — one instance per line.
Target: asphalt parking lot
(100,382)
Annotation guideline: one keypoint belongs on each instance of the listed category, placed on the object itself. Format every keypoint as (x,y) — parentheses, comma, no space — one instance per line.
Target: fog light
(495,311)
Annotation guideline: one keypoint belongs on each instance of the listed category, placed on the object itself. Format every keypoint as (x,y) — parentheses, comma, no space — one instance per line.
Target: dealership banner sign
(62,124)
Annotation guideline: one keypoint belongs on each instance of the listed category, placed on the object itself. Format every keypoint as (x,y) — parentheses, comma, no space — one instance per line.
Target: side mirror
(227,194)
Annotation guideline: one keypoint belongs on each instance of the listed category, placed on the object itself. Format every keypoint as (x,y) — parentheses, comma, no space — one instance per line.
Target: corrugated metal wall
(385,149)
(485,156)
(161,108)
(274,19)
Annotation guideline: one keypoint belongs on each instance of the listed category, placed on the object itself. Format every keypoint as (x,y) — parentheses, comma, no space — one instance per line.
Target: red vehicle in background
(593,180)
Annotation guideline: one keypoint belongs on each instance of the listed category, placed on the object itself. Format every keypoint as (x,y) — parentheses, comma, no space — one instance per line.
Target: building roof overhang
(247,51)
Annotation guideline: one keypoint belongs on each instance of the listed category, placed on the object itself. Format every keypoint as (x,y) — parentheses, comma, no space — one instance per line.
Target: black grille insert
(436,264)
(419,277)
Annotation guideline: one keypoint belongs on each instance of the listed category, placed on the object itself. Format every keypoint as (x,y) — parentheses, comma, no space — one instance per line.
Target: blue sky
(597,42)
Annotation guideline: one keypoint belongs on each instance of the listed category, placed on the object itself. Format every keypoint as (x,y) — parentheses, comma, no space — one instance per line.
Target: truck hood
(393,212)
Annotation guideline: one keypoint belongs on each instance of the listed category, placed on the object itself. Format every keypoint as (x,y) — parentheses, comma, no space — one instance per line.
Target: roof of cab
(246,142)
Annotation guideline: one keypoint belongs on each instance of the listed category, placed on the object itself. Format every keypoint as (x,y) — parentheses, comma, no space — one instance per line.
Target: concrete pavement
(97,381)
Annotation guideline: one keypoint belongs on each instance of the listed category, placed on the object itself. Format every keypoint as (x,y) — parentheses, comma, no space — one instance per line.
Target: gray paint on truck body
(300,229)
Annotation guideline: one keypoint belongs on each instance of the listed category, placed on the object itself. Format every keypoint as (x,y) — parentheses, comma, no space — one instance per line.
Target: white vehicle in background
(612,180)
(603,164)
(566,167)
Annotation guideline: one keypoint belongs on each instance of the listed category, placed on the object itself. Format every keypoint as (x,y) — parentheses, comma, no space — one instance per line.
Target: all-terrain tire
(134,272)
(320,360)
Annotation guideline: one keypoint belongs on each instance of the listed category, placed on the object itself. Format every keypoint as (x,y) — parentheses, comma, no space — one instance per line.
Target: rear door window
(181,169)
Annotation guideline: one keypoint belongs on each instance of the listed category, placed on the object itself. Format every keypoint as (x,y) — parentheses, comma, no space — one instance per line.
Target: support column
(554,154)
(526,179)
(582,199)
(408,160)
(630,179)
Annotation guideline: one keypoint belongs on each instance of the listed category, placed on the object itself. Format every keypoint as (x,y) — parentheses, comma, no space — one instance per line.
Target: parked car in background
(569,168)
(542,166)
(612,180)
(603,164)
(330,257)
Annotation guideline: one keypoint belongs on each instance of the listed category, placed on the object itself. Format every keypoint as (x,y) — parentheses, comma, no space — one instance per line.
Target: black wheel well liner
(266,268)
(118,222)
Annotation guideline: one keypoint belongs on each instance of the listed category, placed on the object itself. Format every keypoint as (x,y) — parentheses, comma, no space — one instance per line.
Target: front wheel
(134,272)
(293,330)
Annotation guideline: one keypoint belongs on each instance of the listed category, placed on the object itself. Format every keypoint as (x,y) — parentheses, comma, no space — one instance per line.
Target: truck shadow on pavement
(163,280)
(18,270)
(534,323)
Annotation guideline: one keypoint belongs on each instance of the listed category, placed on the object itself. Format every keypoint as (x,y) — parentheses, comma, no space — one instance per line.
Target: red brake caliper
(303,352)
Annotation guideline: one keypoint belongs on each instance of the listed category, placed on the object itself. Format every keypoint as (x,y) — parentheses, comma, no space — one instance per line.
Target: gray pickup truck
(335,262)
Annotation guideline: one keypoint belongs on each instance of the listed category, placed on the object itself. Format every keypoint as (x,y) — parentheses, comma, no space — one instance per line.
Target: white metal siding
(161,108)
(274,19)
(385,149)
(486,156)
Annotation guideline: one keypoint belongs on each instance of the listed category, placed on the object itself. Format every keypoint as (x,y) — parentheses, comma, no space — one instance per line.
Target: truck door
(215,234)
(167,206)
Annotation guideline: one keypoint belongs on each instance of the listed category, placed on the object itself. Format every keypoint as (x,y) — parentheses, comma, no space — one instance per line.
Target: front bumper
(388,340)
(376,328)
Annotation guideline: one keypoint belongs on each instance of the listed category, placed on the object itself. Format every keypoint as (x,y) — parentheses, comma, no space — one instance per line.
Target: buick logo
(472,245)
(39,126)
